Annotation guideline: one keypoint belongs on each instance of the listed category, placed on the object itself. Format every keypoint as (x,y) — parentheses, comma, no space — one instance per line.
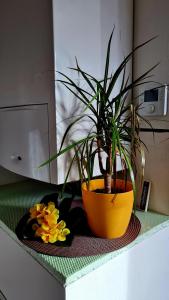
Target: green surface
(15,199)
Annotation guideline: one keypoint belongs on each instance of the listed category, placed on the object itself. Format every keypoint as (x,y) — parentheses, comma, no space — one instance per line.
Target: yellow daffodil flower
(62,234)
(52,234)
(37,211)
(49,229)
(40,211)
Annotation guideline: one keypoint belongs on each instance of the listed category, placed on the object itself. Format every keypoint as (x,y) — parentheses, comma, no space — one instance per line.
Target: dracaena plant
(114,130)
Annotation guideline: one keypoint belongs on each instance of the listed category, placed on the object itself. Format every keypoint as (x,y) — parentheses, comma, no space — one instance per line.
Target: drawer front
(24,140)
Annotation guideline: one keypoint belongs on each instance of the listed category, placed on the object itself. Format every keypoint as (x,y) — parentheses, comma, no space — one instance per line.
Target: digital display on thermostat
(151,95)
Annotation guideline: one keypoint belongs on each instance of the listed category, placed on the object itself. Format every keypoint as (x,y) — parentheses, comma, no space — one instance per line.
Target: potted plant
(113,136)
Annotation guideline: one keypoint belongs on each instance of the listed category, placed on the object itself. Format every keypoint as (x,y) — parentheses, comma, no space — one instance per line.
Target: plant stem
(108,172)
(100,157)
(115,174)
(107,183)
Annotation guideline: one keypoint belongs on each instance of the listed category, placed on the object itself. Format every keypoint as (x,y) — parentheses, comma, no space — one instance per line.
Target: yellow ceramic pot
(108,214)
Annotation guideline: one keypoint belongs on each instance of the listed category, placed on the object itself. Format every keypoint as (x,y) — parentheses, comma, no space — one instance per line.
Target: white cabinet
(24,140)
(138,271)
(21,276)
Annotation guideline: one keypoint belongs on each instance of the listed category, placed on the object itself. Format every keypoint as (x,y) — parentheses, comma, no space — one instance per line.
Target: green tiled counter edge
(16,198)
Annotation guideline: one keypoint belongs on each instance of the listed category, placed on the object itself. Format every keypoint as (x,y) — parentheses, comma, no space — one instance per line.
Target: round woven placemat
(87,246)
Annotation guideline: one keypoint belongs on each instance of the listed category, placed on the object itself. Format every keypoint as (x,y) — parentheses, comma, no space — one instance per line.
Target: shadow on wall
(68,109)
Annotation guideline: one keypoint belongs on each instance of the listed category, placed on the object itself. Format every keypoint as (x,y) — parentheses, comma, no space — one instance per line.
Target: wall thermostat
(154,101)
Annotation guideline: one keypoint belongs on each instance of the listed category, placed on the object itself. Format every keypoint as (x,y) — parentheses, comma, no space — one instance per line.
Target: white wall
(82,29)
(152,19)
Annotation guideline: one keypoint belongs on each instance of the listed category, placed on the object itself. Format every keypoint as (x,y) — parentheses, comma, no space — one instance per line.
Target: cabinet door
(24,140)
(26,55)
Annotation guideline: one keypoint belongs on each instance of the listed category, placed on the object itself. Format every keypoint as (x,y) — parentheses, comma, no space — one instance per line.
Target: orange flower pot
(108,214)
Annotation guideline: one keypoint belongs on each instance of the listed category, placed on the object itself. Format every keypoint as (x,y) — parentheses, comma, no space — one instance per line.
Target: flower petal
(61,225)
